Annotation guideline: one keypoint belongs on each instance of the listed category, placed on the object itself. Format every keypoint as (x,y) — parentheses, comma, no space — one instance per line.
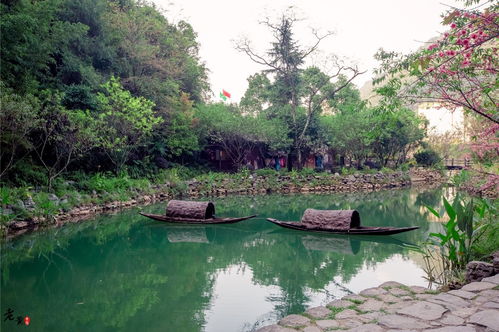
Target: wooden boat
(337,222)
(191,212)
(178,220)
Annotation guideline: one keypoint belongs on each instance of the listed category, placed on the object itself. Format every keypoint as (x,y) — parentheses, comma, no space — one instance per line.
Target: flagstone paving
(395,307)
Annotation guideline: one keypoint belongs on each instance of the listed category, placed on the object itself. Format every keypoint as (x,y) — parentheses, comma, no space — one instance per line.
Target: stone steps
(395,307)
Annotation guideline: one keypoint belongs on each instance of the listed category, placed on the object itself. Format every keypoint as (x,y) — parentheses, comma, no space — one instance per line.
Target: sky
(360,28)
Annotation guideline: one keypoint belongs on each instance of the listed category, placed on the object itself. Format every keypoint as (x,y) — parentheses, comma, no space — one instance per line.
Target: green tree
(122,122)
(394,134)
(61,137)
(258,94)
(238,134)
(348,134)
(296,95)
(18,119)
(34,42)
(178,134)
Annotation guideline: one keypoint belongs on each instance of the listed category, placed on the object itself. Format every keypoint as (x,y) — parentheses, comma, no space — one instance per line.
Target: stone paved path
(393,307)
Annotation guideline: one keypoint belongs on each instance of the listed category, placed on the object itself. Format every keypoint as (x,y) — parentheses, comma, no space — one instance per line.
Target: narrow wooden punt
(360,230)
(194,221)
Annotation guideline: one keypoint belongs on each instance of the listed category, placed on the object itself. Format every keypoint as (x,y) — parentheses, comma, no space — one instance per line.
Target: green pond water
(125,272)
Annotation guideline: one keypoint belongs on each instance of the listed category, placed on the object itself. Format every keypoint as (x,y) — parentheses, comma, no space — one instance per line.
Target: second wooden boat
(337,222)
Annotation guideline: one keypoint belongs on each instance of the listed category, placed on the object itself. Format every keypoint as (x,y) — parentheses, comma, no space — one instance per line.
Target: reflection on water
(130,273)
(194,234)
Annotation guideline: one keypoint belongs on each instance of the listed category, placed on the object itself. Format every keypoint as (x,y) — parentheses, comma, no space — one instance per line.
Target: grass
(356,301)
(335,311)
(408,289)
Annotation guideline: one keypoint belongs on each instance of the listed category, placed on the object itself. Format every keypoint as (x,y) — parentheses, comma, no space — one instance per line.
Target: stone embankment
(425,176)
(394,307)
(249,185)
(261,184)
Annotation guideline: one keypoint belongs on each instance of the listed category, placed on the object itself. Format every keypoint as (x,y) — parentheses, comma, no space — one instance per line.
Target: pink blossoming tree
(460,70)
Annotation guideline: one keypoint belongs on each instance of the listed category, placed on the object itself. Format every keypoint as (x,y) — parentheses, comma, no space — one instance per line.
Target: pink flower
(453,25)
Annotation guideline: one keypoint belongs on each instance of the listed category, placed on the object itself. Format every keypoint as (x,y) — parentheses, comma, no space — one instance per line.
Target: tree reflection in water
(128,273)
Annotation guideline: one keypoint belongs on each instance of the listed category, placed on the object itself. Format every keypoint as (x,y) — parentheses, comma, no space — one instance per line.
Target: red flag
(226,93)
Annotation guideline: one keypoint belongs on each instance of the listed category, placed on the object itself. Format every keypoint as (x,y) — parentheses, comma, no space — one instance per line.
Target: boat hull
(194,221)
(363,230)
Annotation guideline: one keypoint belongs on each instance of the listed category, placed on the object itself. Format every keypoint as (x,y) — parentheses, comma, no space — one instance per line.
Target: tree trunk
(299,161)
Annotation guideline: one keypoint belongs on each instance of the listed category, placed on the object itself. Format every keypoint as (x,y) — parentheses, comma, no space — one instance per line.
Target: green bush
(386,170)
(487,240)
(44,206)
(347,171)
(427,157)
(487,243)
(461,178)
(470,232)
(405,166)
(24,173)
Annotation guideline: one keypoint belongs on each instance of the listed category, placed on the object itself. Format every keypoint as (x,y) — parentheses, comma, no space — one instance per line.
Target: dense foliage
(101,82)
(323,112)
(113,86)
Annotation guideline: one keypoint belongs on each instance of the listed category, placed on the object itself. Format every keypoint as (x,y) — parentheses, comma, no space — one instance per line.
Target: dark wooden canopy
(331,219)
(190,209)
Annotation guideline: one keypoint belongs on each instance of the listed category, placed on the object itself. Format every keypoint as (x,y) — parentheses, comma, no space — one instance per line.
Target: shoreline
(251,185)
(393,306)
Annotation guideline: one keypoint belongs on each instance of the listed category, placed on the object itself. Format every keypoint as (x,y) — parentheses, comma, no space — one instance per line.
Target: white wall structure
(442,120)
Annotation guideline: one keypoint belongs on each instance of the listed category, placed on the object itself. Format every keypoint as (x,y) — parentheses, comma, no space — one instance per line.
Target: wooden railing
(452,163)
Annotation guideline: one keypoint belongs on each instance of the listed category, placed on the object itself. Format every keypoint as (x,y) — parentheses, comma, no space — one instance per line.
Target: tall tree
(294,100)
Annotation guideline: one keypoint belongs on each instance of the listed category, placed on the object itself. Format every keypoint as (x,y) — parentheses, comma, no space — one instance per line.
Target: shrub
(427,157)
(44,206)
(347,171)
(461,178)
(386,170)
(470,232)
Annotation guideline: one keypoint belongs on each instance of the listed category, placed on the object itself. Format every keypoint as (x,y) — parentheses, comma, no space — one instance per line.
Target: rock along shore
(251,185)
(395,307)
